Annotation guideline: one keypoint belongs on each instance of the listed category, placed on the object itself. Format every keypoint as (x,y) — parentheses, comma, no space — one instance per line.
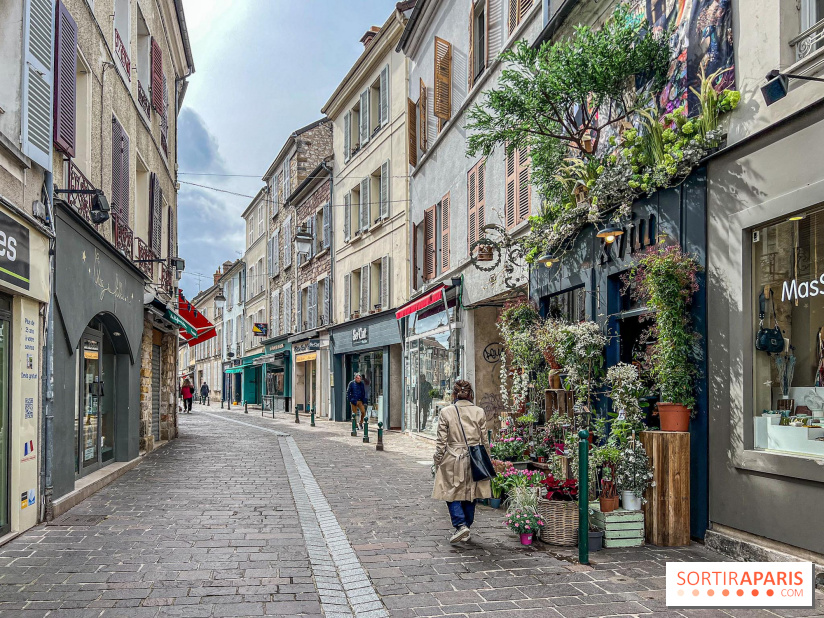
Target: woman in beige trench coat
(453,479)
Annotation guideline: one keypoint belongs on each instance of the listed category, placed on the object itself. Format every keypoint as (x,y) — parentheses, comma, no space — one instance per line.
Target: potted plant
(607,458)
(596,536)
(541,453)
(498,483)
(559,509)
(665,281)
(524,523)
(634,475)
(510,448)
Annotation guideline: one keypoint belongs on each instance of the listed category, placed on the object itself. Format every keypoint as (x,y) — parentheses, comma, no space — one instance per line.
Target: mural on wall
(701,39)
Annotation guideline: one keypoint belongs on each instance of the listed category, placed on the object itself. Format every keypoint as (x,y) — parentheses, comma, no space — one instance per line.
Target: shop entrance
(370,366)
(306,366)
(5,420)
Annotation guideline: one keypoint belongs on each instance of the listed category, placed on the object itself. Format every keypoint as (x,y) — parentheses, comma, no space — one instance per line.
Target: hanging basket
(560,522)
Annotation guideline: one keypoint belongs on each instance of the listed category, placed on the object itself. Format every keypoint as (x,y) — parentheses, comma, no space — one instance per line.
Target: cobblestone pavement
(249,516)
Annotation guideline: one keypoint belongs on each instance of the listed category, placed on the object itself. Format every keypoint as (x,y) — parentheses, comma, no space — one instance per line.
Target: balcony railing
(143,100)
(144,252)
(123,54)
(77,181)
(166,277)
(123,238)
(808,41)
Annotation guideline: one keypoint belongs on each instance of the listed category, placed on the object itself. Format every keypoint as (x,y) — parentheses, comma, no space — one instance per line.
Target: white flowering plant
(580,351)
(634,472)
(626,390)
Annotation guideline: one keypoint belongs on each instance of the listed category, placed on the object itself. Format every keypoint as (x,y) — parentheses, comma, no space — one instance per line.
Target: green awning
(175,319)
(237,369)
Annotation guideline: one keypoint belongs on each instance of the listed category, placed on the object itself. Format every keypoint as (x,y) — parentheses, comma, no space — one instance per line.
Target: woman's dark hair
(463,390)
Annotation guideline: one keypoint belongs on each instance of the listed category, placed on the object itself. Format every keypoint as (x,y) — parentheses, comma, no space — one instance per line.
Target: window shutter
(423,102)
(65,77)
(480,206)
(287,241)
(327,229)
(275,325)
(365,204)
(347,135)
(37,82)
(472,203)
(524,193)
(157,76)
(276,253)
(411,126)
(429,243)
(310,223)
(164,115)
(445,233)
(287,309)
(364,289)
(364,117)
(471,64)
(385,190)
(269,256)
(314,316)
(384,111)
(170,238)
(523,8)
(347,216)
(155,214)
(511,190)
(299,325)
(327,299)
(385,282)
(443,79)
(347,296)
(120,172)
(512,15)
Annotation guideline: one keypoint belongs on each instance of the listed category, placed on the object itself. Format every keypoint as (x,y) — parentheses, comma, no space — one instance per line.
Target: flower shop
(609,343)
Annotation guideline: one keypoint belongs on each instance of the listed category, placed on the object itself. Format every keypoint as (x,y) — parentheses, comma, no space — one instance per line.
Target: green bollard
(366,430)
(312,422)
(583,496)
(379,446)
(354,426)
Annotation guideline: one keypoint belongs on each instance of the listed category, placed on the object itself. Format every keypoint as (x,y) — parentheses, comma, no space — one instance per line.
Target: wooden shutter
(276,252)
(524,193)
(347,296)
(327,299)
(269,256)
(429,243)
(511,190)
(423,103)
(65,80)
(480,206)
(364,289)
(470,69)
(445,233)
(363,121)
(385,278)
(347,216)
(385,190)
(472,206)
(365,204)
(443,79)
(170,238)
(164,115)
(38,81)
(287,309)
(347,135)
(411,129)
(512,15)
(384,97)
(120,172)
(157,76)
(523,8)
(299,326)
(327,229)
(287,241)
(312,305)
(155,214)
(275,325)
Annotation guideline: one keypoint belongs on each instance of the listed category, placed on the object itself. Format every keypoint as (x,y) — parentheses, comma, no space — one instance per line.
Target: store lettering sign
(360,334)
(638,234)
(306,346)
(792,290)
(14,252)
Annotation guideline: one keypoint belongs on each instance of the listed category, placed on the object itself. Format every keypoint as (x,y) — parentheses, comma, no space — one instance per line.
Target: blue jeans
(462,513)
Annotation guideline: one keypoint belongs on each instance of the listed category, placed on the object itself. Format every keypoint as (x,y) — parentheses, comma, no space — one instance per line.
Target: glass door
(90,392)
(5,334)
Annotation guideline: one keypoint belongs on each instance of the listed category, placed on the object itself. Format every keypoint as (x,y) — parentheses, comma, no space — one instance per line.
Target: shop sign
(792,290)
(276,347)
(360,335)
(260,329)
(14,252)
(306,346)
(638,235)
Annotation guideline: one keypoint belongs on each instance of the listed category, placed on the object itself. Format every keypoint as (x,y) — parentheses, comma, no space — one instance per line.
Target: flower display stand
(558,399)
(621,528)
(667,511)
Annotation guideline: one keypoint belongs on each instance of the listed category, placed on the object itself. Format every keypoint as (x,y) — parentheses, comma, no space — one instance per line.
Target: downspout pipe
(47,489)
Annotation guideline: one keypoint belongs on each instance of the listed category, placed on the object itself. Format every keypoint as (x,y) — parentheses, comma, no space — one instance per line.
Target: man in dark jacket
(356,395)
(204,393)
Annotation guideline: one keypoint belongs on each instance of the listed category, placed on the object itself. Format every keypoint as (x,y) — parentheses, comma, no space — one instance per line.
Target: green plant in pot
(634,474)
(607,458)
(665,280)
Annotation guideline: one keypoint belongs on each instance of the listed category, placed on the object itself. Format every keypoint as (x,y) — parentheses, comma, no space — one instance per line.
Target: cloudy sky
(263,69)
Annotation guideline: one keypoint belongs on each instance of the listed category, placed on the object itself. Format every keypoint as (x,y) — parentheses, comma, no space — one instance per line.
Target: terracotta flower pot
(674,416)
(554,379)
(608,504)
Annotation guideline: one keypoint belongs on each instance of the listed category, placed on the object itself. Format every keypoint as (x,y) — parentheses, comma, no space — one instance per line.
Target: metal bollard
(583,496)
(354,426)
(379,446)
(246,407)
(489,436)
(366,430)
(312,423)
(297,418)
(221,404)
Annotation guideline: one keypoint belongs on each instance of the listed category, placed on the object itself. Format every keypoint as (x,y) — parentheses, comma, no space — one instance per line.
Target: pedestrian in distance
(461,425)
(204,393)
(187,391)
(356,396)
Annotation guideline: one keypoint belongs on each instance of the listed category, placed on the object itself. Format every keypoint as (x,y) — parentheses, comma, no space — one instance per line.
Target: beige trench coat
(453,480)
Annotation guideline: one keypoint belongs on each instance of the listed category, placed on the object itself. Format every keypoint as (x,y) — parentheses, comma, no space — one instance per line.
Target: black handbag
(769,340)
(479,461)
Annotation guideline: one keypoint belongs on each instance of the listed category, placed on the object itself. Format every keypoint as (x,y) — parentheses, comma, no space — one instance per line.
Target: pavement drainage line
(232,420)
(334,563)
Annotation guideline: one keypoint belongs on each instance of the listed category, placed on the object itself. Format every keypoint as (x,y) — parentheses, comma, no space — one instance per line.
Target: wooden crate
(560,400)
(621,528)
(667,510)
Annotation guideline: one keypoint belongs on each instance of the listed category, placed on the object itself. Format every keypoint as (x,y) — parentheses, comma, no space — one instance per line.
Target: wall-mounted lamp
(220,300)
(548,259)
(100,205)
(778,84)
(610,233)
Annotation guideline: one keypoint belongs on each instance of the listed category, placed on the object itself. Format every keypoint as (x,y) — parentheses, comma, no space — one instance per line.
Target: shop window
(569,306)
(788,294)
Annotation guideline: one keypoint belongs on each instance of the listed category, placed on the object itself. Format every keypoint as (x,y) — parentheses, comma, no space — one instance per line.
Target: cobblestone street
(249,516)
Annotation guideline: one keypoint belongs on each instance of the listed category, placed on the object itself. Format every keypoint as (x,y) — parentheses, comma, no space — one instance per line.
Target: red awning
(205,329)
(430,298)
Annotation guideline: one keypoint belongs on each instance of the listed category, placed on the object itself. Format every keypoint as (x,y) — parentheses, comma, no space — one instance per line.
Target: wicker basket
(560,522)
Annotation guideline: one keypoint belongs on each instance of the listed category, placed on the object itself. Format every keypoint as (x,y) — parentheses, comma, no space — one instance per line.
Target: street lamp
(778,84)
(220,300)
(303,239)
(100,208)
(610,233)
(548,259)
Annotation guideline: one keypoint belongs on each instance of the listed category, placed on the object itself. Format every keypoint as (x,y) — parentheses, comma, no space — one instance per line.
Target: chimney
(218,275)
(366,39)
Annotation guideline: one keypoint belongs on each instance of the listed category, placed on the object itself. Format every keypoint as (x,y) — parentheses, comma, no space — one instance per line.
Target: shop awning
(430,298)
(237,369)
(175,319)
(205,330)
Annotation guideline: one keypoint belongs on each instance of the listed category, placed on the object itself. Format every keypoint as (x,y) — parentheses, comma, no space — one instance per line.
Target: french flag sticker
(28,448)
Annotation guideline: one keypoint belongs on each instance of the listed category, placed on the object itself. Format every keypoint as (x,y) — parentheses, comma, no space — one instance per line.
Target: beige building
(208,365)
(368,110)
